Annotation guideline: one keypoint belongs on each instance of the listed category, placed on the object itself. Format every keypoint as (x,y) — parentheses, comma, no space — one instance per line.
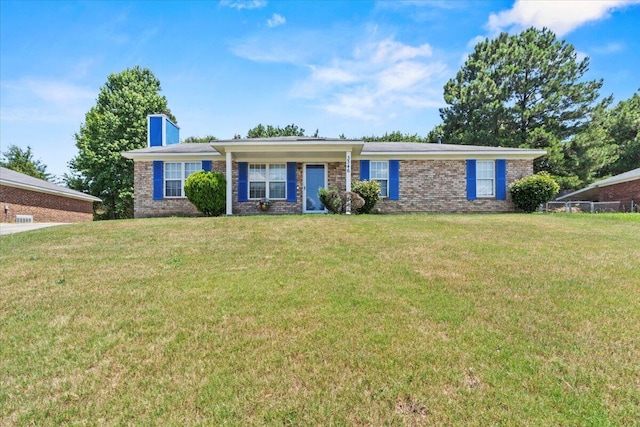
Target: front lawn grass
(323,320)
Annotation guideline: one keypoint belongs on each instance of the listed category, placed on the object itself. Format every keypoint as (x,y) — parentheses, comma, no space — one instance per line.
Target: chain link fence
(591,207)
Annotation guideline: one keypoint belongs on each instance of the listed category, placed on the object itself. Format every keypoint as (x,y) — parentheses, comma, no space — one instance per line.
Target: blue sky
(358,68)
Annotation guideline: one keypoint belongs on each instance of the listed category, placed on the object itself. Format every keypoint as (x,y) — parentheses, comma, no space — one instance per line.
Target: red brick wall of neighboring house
(44,207)
(624,192)
(437,186)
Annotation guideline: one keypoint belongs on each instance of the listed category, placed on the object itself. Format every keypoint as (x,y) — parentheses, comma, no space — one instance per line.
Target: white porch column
(229,185)
(348,181)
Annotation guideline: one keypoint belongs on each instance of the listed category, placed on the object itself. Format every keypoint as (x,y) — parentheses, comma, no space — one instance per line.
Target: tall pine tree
(525,90)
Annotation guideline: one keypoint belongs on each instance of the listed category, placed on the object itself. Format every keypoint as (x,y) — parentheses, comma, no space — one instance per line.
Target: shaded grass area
(365,320)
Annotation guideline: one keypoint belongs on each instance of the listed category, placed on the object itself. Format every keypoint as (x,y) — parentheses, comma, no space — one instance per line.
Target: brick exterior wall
(440,186)
(42,206)
(437,186)
(277,206)
(624,192)
(143,204)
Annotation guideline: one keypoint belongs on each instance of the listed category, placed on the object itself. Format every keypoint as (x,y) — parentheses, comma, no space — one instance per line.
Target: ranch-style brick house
(24,198)
(414,177)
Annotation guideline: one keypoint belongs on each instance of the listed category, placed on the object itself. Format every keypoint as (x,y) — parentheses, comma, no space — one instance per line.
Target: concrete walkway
(6,228)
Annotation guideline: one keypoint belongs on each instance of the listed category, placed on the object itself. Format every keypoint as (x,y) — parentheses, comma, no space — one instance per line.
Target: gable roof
(592,190)
(11,178)
(306,146)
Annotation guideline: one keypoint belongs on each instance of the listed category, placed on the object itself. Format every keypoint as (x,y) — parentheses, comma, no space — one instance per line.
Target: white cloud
(37,100)
(371,78)
(288,46)
(332,75)
(609,48)
(380,79)
(561,16)
(276,20)
(390,50)
(244,4)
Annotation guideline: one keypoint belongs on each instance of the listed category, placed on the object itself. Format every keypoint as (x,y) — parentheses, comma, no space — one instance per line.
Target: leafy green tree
(436,135)
(610,145)
(525,90)
(269,131)
(395,136)
(117,123)
(623,128)
(200,139)
(588,154)
(22,161)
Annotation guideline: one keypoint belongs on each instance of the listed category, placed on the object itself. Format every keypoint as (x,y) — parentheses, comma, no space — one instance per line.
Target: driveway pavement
(17,228)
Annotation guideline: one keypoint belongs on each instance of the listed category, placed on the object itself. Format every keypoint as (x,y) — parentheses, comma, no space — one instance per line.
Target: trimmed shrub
(331,199)
(336,201)
(207,191)
(357,202)
(369,191)
(530,192)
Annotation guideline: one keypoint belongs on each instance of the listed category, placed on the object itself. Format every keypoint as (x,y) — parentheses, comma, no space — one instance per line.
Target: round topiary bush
(207,191)
(530,192)
(369,191)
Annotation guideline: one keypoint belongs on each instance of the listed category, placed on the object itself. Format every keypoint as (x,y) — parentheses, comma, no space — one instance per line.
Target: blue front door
(315,177)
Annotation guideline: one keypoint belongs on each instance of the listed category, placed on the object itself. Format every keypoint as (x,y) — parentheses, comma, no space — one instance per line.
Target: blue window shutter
(243,181)
(394,179)
(158,180)
(364,170)
(471,179)
(207,165)
(501,179)
(292,185)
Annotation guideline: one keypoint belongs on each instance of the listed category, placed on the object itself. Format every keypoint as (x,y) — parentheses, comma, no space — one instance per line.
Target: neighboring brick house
(623,188)
(414,177)
(23,197)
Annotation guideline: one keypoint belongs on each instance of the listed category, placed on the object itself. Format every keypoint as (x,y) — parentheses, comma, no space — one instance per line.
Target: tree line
(526,90)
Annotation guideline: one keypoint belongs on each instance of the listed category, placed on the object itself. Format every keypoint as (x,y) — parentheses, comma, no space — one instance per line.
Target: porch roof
(291,147)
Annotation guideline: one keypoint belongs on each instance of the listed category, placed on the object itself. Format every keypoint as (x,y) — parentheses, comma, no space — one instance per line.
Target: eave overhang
(182,157)
(457,155)
(22,186)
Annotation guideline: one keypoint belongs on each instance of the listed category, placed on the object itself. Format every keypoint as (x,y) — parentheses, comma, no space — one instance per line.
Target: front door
(315,177)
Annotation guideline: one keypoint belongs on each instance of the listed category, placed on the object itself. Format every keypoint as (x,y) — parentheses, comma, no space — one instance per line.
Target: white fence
(588,207)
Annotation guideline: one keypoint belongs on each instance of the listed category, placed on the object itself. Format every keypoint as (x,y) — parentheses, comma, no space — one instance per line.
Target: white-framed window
(379,172)
(485,178)
(175,174)
(267,181)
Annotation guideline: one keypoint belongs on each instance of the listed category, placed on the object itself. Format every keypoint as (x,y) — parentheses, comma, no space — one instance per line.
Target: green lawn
(323,320)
